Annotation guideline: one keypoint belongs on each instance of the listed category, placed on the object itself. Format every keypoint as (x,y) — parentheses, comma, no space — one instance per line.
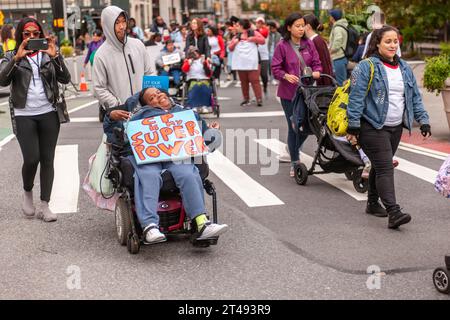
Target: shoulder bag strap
(300,58)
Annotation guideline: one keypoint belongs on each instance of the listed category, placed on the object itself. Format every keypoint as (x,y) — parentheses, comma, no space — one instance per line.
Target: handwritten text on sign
(169,137)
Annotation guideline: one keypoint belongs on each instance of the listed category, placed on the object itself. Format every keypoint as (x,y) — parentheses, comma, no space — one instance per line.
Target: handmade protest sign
(171,58)
(158,82)
(169,137)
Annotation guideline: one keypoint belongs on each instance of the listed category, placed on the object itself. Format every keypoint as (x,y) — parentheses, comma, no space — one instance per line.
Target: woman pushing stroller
(148,181)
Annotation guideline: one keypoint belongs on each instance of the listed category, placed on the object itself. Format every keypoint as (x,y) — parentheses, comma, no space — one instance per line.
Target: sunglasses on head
(34,33)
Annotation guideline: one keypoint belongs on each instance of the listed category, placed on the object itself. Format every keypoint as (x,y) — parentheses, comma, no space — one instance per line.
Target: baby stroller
(201,96)
(173,219)
(331,155)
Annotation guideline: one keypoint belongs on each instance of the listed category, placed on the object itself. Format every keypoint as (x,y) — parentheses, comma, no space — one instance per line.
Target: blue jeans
(340,70)
(148,182)
(295,141)
(176,74)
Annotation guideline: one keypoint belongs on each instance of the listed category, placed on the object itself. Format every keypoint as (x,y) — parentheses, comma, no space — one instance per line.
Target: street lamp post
(66,29)
(316,8)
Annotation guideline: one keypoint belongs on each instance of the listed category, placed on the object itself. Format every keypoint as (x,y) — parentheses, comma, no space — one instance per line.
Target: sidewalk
(440,140)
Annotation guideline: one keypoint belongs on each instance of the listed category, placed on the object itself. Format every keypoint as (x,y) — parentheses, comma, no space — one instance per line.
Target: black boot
(375,209)
(397,218)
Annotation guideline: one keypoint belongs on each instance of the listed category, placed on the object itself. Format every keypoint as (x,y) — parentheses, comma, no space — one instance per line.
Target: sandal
(292,172)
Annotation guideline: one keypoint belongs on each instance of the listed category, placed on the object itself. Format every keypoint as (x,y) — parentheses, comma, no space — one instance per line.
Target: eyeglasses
(34,33)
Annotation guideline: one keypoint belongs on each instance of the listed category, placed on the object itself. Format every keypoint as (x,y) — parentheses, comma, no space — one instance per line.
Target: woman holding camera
(34,76)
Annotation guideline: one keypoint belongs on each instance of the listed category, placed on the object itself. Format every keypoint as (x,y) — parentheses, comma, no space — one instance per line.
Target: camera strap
(37,63)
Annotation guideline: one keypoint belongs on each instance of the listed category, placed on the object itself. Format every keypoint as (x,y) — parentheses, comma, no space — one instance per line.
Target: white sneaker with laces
(153,235)
(211,230)
(366,171)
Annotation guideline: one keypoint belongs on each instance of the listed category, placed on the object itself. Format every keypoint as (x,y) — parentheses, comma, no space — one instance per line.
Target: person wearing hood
(338,42)
(120,63)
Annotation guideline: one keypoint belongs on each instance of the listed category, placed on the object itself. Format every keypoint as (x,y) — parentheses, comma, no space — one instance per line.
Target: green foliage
(437,70)
(66,43)
(445,48)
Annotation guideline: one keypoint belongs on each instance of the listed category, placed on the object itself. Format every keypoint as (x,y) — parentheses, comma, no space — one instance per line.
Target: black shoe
(397,219)
(375,209)
(244,103)
(259,103)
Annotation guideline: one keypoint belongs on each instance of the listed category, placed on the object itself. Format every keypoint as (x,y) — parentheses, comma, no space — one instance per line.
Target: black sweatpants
(37,136)
(265,74)
(380,146)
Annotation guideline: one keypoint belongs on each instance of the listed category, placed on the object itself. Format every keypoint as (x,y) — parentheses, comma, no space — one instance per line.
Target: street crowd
(380,105)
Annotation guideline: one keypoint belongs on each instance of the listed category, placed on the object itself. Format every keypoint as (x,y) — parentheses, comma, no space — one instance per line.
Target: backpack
(337,120)
(352,41)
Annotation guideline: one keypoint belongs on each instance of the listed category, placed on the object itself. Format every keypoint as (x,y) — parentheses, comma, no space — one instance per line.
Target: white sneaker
(366,171)
(286,157)
(153,235)
(274,82)
(205,110)
(212,230)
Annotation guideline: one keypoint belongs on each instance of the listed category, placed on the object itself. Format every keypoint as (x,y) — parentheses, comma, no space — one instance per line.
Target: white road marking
(416,170)
(66,185)
(337,180)
(84,119)
(226,84)
(6,140)
(252,114)
(423,151)
(4,103)
(83,106)
(250,191)
(223,98)
(238,84)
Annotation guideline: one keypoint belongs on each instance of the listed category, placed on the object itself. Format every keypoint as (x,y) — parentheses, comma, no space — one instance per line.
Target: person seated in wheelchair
(198,70)
(148,181)
(169,64)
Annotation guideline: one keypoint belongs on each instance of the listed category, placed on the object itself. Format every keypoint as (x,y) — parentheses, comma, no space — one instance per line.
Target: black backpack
(352,41)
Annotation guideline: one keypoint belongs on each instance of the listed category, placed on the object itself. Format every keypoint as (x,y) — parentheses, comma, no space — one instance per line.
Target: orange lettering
(171,150)
(165,118)
(138,149)
(179,132)
(150,123)
(152,152)
(151,140)
(189,148)
(190,126)
(200,143)
(136,140)
(165,132)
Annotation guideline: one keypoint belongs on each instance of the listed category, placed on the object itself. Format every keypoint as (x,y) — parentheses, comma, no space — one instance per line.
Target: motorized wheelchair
(173,218)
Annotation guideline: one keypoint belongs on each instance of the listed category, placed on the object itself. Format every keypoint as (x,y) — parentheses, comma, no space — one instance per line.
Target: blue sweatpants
(148,182)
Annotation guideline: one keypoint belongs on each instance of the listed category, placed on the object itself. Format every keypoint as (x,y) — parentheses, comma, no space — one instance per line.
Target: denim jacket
(373,107)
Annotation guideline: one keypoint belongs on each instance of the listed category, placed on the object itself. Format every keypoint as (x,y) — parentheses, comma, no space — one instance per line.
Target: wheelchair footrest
(204,243)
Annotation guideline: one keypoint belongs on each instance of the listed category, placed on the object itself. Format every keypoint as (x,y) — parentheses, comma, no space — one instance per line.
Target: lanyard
(38,65)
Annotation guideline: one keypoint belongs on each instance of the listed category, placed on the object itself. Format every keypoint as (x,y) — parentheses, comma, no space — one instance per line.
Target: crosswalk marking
(336,180)
(416,170)
(250,191)
(252,114)
(225,84)
(83,106)
(423,151)
(66,185)
(84,119)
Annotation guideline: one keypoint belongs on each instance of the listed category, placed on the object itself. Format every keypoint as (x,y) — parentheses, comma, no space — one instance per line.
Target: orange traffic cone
(83,83)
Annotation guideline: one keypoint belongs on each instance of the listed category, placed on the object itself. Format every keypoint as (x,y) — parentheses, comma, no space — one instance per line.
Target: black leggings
(380,146)
(265,73)
(37,136)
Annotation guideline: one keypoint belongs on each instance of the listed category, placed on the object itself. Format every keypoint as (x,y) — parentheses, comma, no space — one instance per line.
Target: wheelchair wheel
(301,174)
(133,243)
(101,113)
(361,185)
(441,278)
(349,175)
(123,223)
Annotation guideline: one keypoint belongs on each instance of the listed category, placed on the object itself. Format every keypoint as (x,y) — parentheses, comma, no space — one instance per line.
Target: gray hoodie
(118,67)
(338,39)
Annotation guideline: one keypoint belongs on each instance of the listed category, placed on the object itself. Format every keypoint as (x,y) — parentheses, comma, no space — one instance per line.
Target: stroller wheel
(361,185)
(123,223)
(349,175)
(133,243)
(301,174)
(441,278)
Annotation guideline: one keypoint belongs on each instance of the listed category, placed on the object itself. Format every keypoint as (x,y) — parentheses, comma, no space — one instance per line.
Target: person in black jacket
(197,38)
(34,77)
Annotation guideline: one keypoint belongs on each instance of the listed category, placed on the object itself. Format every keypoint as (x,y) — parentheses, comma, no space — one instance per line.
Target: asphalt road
(317,244)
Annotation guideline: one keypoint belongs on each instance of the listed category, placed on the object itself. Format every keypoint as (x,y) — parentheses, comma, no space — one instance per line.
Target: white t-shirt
(245,56)
(213,44)
(196,70)
(264,50)
(396,108)
(37,102)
